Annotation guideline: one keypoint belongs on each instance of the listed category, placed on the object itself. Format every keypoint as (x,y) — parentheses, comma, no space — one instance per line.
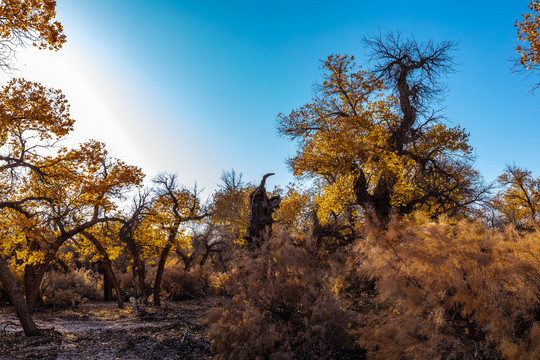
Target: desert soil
(102,331)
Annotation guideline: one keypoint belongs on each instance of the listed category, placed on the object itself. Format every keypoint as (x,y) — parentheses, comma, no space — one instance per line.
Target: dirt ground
(102,331)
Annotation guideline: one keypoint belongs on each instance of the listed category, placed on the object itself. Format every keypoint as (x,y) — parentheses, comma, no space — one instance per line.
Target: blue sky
(194,87)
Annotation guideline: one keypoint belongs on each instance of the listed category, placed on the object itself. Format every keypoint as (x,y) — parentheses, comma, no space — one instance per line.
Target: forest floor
(102,331)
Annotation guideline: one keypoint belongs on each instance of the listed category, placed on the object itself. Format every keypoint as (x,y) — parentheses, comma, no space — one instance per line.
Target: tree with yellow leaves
(230,207)
(79,192)
(519,200)
(373,139)
(529,36)
(174,206)
(28,22)
(32,118)
(48,194)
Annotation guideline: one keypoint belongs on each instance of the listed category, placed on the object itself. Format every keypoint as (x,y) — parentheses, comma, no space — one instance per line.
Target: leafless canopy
(413,69)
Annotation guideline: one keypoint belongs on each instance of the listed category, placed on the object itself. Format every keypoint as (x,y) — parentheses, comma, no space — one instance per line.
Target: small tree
(519,199)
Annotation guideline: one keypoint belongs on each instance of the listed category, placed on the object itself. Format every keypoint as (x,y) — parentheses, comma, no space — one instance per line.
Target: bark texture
(261,207)
(16,296)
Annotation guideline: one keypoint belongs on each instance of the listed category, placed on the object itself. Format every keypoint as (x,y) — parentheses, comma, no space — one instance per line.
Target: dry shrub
(282,302)
(451,291)
(179,284)
(70,289)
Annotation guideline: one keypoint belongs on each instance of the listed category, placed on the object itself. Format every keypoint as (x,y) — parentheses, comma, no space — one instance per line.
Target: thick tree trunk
(16,296)
(261,208)
(107,286)
(29,275)
(159,274)
(32,283)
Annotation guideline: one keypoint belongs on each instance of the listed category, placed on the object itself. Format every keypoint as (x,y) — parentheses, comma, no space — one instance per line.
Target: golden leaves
(354,127)
(529,35)
(31,20)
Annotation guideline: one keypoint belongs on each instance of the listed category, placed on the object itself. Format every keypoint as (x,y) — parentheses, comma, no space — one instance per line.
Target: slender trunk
(142,284)
(107,265)
(126,235)
(16,296)
(110,275)
(159,274)
(205,256)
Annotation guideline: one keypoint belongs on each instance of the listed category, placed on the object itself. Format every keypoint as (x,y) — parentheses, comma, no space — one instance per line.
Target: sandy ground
(102,331)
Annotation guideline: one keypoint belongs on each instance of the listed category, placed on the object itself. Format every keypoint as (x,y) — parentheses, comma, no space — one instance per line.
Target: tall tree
(33,118)
(133,225)
(175,206)
(374,140)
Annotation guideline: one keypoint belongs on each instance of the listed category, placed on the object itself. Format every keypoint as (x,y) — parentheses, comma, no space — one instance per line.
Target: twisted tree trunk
(261,208)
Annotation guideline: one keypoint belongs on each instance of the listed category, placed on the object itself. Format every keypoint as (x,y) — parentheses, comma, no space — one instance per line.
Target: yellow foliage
(529,35)
(31,20)
(347,140)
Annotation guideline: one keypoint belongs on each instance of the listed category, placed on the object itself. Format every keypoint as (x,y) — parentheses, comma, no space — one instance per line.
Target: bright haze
(193,87)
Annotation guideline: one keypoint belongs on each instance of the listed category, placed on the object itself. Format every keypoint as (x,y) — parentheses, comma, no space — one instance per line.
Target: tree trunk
(107,286)
(110,275)
(29,275)
(261,208)
(126,235)
(16,296)
(205,256)
(107,266)
(32,296)
(142,284)
(159,274)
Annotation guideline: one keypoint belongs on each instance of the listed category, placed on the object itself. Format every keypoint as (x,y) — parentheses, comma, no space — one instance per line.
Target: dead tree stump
(261,207)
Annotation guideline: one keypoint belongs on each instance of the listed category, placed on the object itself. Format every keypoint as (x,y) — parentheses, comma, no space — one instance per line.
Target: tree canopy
(529,36)
(373,139)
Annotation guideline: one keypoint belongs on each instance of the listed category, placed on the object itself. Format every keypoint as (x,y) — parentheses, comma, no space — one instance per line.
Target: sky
(194,87)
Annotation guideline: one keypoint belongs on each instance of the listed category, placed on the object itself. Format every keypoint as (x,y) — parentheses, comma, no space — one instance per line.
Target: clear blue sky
(194,86)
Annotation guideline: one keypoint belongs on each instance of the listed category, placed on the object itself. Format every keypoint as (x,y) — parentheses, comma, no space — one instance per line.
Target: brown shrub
(179,284)
(70,289)
(451,291)
(282,302)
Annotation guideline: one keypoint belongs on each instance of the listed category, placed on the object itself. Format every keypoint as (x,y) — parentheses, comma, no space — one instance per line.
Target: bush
(179,284)
(451,291)
(282,303)
(70,289)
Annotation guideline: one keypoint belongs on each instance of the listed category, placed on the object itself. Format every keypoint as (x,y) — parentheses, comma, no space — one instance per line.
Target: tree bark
(159,274)
(107,285)
(261,208)
(110,275)
(16,296)
(29,276)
